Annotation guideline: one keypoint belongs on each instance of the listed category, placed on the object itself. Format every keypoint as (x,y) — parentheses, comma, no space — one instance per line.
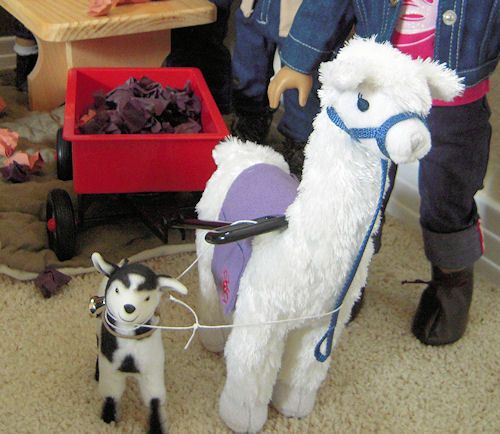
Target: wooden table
(131,35)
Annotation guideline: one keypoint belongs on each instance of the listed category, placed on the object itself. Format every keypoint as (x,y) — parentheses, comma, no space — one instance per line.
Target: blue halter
(379,134)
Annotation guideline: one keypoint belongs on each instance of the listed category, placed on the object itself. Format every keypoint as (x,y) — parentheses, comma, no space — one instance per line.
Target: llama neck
(339,192)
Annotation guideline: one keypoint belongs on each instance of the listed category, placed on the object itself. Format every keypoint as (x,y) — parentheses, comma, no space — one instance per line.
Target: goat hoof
(109,410)
(241,417)
(96,375)
(157,418)
(293,402)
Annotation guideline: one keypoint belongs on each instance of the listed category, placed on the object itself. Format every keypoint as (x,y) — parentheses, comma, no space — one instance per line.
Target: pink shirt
(415,34)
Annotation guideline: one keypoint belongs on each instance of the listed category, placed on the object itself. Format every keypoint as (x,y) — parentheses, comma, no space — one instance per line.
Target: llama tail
(232,156)
(235,154)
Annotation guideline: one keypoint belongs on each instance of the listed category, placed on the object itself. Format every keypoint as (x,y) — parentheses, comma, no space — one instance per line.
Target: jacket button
(449,17)
(393,2)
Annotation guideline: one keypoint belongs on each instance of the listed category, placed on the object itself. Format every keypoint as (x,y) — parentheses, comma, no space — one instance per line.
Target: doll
(262,27)
(454,170)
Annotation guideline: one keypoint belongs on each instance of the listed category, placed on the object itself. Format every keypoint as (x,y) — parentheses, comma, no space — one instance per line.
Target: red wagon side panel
(130,163)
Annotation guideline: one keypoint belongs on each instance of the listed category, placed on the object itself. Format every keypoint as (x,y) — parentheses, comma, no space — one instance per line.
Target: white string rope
(198,257)
(197,325)
(180,276)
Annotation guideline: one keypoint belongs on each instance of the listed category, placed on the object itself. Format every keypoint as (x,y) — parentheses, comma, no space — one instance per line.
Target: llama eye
(363,104)
(147,298)
(117,291)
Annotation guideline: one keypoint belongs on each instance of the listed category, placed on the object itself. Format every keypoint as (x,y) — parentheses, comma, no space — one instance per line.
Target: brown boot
(252,126)
(293,152)
(442,313)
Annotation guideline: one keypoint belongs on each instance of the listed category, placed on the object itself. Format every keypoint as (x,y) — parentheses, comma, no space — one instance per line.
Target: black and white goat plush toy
(129,300)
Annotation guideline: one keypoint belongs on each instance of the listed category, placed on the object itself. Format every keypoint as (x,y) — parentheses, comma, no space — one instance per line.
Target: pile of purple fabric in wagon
(143,106)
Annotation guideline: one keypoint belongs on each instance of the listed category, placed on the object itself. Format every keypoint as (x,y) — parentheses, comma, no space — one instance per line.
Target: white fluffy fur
(378,67)
(300,271)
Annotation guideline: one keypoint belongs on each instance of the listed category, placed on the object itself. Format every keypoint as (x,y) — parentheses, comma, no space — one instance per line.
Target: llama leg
(301,374)
(253,359)
(209,309)
(111,387)
(154,396)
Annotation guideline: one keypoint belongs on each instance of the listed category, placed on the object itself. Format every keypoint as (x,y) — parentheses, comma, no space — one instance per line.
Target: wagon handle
(221,232)
(185,218)
(246,229)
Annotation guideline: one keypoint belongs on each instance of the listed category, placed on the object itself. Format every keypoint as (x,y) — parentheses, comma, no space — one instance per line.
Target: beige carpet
(381,380)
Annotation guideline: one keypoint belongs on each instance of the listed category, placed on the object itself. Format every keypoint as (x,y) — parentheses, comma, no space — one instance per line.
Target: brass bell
(96,305)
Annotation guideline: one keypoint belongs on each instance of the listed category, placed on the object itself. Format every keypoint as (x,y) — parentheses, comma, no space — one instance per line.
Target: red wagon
(127,164)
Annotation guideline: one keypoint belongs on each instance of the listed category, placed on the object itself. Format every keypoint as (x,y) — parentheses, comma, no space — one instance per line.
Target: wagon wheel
(61,226)
(64,159)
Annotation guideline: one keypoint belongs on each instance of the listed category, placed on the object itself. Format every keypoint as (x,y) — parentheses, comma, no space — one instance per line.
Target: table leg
(47,81)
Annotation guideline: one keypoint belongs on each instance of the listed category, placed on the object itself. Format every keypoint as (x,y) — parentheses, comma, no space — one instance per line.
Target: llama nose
(129,308)
(417,141)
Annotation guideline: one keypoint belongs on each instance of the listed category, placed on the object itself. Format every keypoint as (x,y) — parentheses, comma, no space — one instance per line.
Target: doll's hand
(285,79)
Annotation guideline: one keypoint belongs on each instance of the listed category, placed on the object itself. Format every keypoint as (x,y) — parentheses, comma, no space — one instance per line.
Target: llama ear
(443,82)
(166,282)
(101,265)
(341,74)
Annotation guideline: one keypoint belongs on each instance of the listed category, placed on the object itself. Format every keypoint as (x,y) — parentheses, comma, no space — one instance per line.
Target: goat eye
(117,290)
(147,298)
(363,104)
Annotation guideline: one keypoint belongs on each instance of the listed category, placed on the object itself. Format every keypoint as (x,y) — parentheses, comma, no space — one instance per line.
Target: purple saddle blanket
(261,190)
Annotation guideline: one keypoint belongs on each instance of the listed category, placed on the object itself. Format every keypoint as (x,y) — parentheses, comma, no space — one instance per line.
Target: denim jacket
(304,57)
(467,32)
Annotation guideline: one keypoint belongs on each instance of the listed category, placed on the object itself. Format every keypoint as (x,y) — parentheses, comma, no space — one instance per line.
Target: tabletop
(68,20)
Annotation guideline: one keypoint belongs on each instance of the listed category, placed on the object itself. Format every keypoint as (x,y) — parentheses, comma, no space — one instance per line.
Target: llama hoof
(241,417)
(292,402)
(213,340)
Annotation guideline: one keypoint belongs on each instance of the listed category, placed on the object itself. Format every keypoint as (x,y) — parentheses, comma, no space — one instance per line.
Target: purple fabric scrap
(15,172)
(261,190)
(144,106)
(50,280)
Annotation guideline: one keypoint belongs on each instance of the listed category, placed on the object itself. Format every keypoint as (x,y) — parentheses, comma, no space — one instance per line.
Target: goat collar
(140,333)
(379,133)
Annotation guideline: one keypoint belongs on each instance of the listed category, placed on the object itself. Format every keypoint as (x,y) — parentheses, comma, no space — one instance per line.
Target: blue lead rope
(328,336)
(379,134)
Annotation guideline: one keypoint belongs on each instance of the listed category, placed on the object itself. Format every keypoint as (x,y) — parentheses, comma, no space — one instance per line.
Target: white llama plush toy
(131,295)
(374,100)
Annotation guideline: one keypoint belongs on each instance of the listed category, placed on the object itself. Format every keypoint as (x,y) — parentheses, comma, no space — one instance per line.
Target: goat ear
(166,282)
(101,265)
(123,262)
(443,82)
